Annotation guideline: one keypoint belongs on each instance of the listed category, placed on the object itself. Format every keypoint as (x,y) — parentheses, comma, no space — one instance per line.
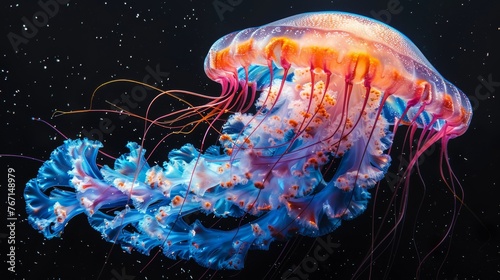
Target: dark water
(84,44)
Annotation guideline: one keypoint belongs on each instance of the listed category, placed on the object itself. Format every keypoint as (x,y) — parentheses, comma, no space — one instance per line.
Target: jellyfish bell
(354,48)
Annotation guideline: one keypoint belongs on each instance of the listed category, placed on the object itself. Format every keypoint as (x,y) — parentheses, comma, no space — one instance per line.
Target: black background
(87,43)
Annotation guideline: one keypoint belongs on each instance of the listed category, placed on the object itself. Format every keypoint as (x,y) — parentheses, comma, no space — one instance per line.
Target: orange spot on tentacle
(225,137)
(259,185)
(293,123)
(177,201)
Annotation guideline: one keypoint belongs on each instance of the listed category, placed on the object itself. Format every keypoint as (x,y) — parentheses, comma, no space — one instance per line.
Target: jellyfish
(310,105)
